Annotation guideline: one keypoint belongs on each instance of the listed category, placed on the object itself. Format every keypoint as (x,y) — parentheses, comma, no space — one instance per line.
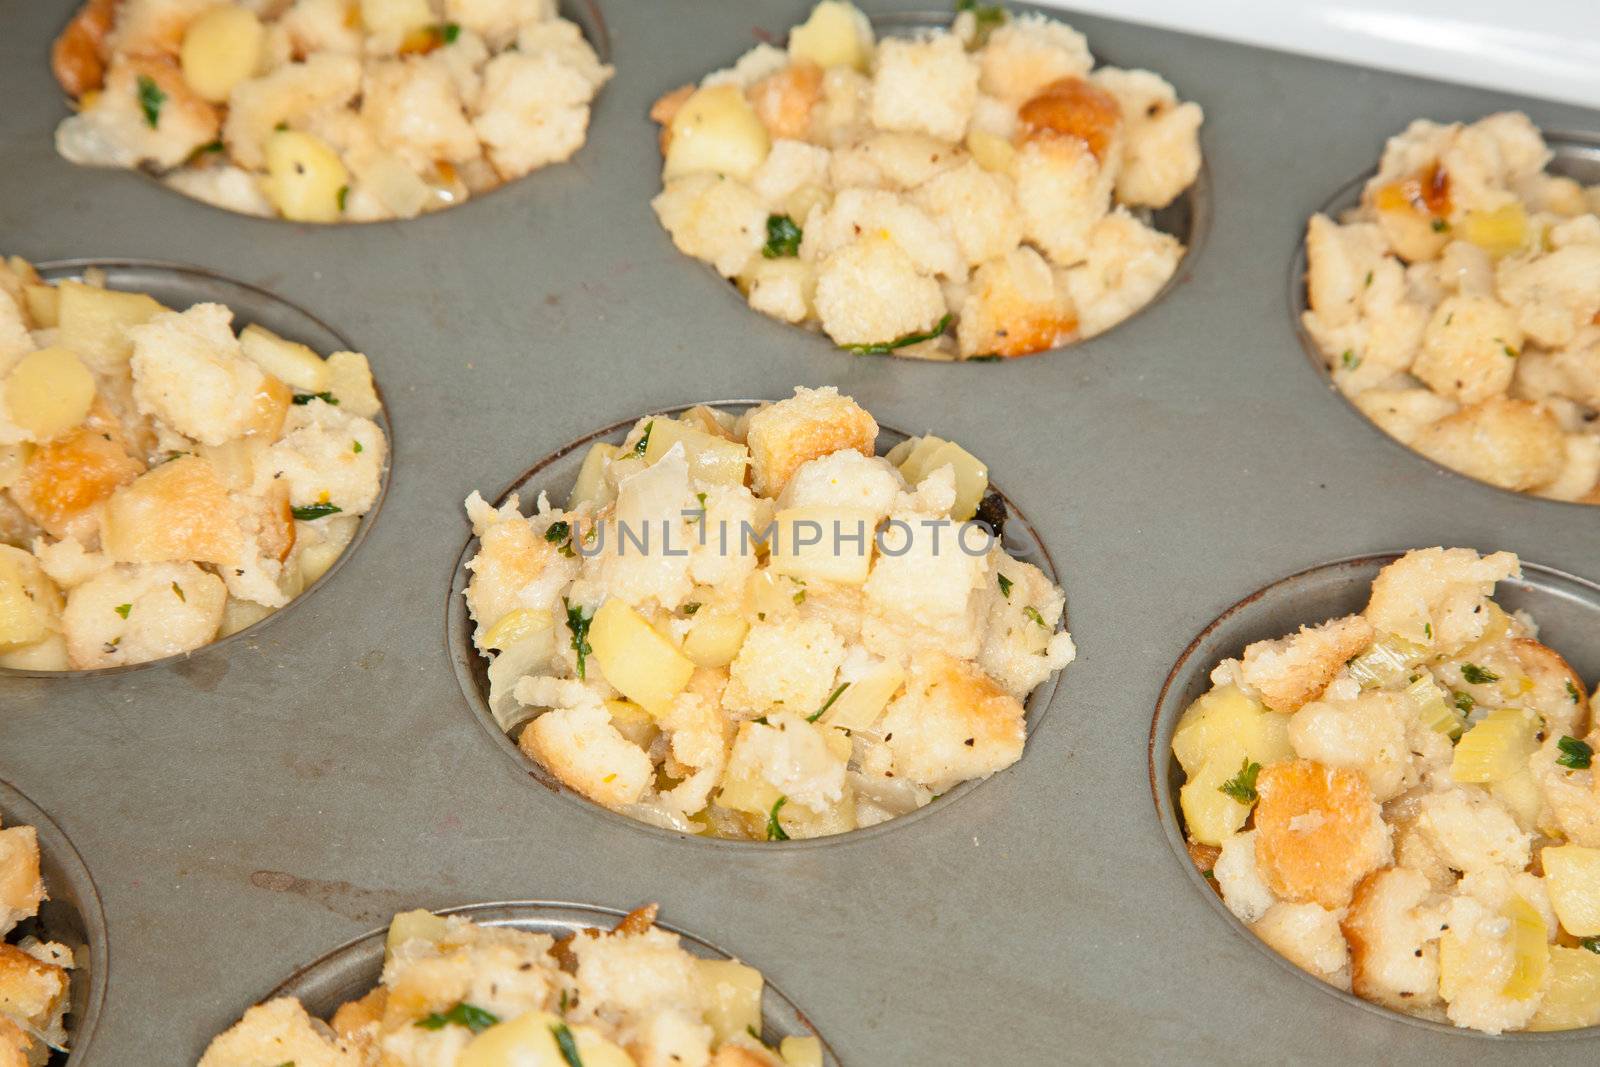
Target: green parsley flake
(1427,628)
(343,196)
(1575,754)
(883,348)
(150,100)
(1510,352)
(814,716)
(800,597)
(560,533)
(1464,703)
(177,591)
(1350,360)
(783,238)
(1033,613)
(1440,225)
(313,512)
(565,1042)
(1572,693)
(355,446)
(305,398)
(123,609)
(1242,786)
(1368,281)
(1592,944)
(1005,585)
(643,442)
(775,830)
(470,1016)
(1476,675)
(578,623)
(691,607)
(449,32)
(986,18)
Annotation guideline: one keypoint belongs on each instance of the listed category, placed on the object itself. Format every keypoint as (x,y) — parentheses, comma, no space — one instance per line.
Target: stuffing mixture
(326,110)
(971,193)
(763,687)
(1458,306)
(164,481)
(457,994)
(1404,803)
(33,973)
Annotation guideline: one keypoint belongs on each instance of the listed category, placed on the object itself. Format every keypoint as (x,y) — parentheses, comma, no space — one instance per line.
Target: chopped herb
(313,512)
(1572,693)
(280,127)
(1368,281)
(1576,755)
(643,442)
(1448,319)
(1439,225)
(800,597)
(1592,944)
(691,607)
(883,348)
(355,446)
(1350,360)
(178,592)
(1033,613)
(986,18)
(560,533)
(566,1000)
(564,1041)
(449,32)
(783,238)
(1005,586)
(1511,353)
(471,1016)
(990,358)
(123,609)
(343,196)
(1464,703)
(1476,675)
(203,150)
(150,100)
(814,716)
(775,831)
(578,623)
(753,1032)
(1211,876)
(305,398)
(1242,786)
(1427,628)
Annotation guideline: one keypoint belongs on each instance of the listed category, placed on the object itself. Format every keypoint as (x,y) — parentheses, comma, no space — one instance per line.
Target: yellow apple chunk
(731,993)
(49,392)
(821,543)
(529,1040)
(306,181)
(94,322)
(643,665)
(1572,875)
(220,49)
(292,363)
(30,603)
(712,460)
(836,35)
(716,131)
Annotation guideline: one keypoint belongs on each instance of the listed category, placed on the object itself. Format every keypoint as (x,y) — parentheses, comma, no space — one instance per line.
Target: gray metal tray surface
(250,808)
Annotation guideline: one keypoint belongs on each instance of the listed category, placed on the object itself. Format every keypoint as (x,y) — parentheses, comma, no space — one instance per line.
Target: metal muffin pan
(555,474)
(71,915)
(245,812)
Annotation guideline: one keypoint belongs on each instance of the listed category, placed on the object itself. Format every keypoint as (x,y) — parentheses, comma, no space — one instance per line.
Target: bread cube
(1063,191)
(952,724)
(21,888)
(784,665)
(979,207)
(713,218)
(190,372)
(1296,669)
(1014,308)
(143,612)
(582,748)
(1318,832)
(1029,52)
(870,292)
(534,110)
(1161,142)
(928,85)
(178,511)
(813,423)
(278,1031)
(63,483)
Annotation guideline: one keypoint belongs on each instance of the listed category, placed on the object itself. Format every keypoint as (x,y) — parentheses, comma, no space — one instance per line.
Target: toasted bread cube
(1294,670)
(190,372)
(1318,832)
(713,218)
(143,612)
(1469,350)
(1391,929)
(63,483)
(180,510)
(1028,53)
(276,1032)
(952,724)
(812,423)
(1308,936)
(582,748)
(1514,444)
(1015,308)
(21,887)
(924,86)
(32,991)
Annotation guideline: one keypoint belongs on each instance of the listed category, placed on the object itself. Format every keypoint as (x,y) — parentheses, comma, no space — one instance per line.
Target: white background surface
(1544,48)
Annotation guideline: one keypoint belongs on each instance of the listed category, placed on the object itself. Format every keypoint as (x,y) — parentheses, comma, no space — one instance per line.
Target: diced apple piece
(350,382)
(836,35)
(49,392)
(713,460)
(513,626)
(44,305)
(743,788)
(1497,747)
(30,603)
(317,557)
(714,638)
(1530,948)
(992,152)
(972,477)
(716,130)
(638,661)
(1226,717)
(859,706)
(288,361)
(306,181)
(591,486)
(633,722)
(913,461)
(239,614)
(529,1040)
(49,654)
(270,409)
(1572,999)
(1521,796)
(94,322)
(801,1051)
(1499,232)
(822,543)
(220,49)
(394,18)
(1210,814)
(417,925)
(177,511)
(1572,875)
(730,993)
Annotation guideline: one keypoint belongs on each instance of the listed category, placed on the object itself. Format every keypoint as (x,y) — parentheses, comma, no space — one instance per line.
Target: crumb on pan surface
(1404,802)
(1458,305)
(979,192)
(326,110)
(458,994)
(34,974)
(806,640)
(164,480)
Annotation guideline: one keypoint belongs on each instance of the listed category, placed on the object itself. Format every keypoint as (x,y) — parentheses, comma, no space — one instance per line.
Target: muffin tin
(244,812)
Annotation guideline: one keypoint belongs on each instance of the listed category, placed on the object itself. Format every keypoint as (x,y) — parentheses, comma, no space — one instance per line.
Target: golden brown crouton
(31,991)
(1318,832)
(812,423)
(1073,107)
(64,481)
(783,101)
(1510,443)
(77,58)
(14,1044)
(21,888)
(1294,670)
(177,511)
(1391,932)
